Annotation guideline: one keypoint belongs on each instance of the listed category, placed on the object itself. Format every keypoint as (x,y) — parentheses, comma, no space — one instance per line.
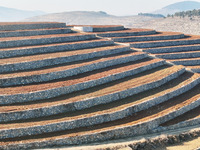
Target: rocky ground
(186,25)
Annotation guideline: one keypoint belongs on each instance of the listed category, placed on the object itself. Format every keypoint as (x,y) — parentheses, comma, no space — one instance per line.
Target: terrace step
(10,26)
(189,118)
(152,44)
(66,85)
(50,48)
(106,28)
(34,32)
(44,39)
(186,62)
(44,60)
(68,69)
(121,88)
(178,55)
(171,49)
(98,28)
(126,32)
(136,124)
(195,68)
(60,89)
(29,111)
(154,37)
(115,110)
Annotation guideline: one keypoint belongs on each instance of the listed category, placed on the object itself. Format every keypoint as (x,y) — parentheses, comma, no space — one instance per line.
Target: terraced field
(174,47)
(60,87)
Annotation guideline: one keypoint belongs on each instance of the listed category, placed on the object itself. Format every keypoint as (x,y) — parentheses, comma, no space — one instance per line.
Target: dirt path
(190,145)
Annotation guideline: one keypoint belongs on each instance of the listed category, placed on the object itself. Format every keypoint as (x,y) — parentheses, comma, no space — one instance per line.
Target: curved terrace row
(61,87)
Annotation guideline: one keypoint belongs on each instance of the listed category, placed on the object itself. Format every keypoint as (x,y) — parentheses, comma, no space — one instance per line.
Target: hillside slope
(61,87)
(90,18)
(177,24)
(11,14)
(176,7)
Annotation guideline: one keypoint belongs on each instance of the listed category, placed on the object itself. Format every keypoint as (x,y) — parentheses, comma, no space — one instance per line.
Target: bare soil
(45,29)
(182,39)
(55,55)
(112,107)
(152,35)
(61,83)
(126,30)
(43,36)
(152,113)
(54,44)
(80,94)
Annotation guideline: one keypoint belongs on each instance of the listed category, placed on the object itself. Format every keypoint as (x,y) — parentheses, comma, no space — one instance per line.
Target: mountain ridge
(88,18)
(177,7)
(12,14)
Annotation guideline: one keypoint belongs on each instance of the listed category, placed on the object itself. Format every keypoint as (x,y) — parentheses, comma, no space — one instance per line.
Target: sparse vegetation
(151,15)
(189,13)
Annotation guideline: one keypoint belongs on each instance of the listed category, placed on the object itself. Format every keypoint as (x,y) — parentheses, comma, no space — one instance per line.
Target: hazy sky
(115,7)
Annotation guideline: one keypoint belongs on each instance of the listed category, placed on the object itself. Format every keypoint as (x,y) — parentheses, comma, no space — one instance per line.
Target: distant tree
(168,15)
(189,13)
(151,15)
(102,12)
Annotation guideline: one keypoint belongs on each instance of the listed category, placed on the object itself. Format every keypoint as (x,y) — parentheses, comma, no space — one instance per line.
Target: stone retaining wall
(165,43)
(61,74)
(97,119)
(116,133)
(55,48)
(185,124)
(98,29)
(148,38)
(27,26)
(186,62)
(50,40)
(106,29)
(173,49)
(179,55)
(87,103)
(149,143)
(182,124)
(195,70)
(59,60)
(34,32)
(128,33)
(38,95)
